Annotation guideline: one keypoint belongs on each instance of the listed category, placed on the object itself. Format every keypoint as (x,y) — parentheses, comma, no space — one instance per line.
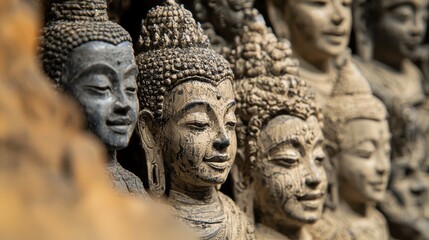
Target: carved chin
(304,212)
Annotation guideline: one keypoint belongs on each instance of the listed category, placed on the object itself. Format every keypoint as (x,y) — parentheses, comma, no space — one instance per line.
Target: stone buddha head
(409,179)
(358,139)
(92,59)
(226,16)
(390,30)
(318,30)
(280,136)
(187,118)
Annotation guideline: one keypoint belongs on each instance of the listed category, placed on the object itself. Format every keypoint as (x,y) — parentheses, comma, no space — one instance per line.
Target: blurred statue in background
(117,8)
(279,162)
(389,36)
(222,20)
(92,59)
(357,140)
(319,32)
(187,122)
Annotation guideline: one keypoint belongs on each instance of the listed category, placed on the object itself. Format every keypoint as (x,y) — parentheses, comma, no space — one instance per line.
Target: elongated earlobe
(276,17)
(154,160)
(364,41)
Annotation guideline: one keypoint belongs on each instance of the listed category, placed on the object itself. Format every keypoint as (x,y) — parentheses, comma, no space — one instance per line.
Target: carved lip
(378,185)
(335,33)
(311,201)
(218,162)
(217,158)
(310,196)
(119,125)
(218,165)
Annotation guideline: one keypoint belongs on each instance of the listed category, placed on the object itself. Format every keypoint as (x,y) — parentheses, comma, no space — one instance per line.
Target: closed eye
(319,159)
(363,154)
(198,126)
(318,3)
(285,161)
(131,89)
(99,89)
(231,124)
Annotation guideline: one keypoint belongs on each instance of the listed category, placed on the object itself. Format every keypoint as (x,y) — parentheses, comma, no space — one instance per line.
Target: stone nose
(419,187)
(222,141)
(122,104)
(313,178)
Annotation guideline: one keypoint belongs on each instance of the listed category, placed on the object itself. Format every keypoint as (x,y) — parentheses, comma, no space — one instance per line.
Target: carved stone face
(401,27)
(227,15)
(290,180)
(364,160)
(321,28)
(102,78)
(198,139)
(410,179)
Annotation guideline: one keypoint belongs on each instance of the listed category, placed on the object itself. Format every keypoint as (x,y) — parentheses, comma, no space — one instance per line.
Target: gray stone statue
(92,60)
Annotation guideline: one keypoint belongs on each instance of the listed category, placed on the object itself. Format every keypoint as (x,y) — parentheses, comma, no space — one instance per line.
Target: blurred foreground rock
(52,181)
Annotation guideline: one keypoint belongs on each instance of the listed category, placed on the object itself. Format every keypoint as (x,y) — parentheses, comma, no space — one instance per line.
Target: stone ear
(151,146)
(363,35)
(330,165)
(242,185)
(276,17)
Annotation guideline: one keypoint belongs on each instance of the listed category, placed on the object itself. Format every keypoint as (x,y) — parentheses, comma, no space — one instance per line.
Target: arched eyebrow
(230,105)
(397,3)
(192,105)
(98,67)
(296,142)
(131,70)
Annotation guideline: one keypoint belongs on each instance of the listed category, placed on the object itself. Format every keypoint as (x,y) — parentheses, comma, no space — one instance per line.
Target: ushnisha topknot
(258,52)
(173,48)
(351,99)
(267,85)
(70,24)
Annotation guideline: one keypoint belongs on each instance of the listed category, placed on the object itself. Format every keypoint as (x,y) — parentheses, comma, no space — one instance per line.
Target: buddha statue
(187,122)
(280,140)
(357,140)
(222,20)
(389,36)
(92,60)
(319,33)
(406,205)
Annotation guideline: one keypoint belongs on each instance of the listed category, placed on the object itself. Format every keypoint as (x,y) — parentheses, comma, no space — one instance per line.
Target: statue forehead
(103,48)
(390,3)
(98,51)
(244,3)
(284,127)
(215,94)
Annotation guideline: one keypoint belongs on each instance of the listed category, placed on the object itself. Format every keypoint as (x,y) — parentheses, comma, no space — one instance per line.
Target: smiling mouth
(219,162)
(335,33)
(311,201)
(378,186)
(121,126)
(335,36)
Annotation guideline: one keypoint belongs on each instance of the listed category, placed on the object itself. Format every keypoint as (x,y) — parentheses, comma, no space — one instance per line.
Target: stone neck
(357,209)
(321,64)
(197,195)
(290,230)
(324,68)
(395,63)
(111,157)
